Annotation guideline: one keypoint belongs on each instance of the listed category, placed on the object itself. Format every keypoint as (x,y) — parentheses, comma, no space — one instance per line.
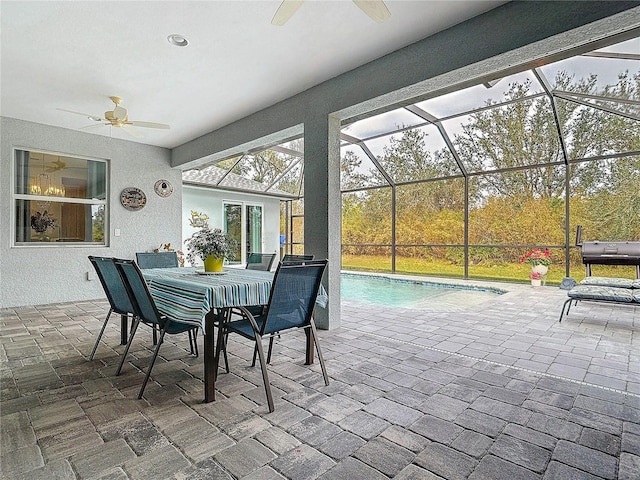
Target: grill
(608,253)
(611,253)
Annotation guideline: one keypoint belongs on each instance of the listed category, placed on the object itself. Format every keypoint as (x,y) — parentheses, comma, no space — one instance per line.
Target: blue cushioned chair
(146,312)
(114,289)
(289,257)
(165,260)
(291,303)
(260,261)
(157,259)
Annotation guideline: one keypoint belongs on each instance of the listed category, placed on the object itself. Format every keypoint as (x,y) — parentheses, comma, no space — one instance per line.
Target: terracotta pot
(213,264)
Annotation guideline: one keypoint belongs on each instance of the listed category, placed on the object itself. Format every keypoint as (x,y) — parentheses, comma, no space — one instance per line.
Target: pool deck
(498,390)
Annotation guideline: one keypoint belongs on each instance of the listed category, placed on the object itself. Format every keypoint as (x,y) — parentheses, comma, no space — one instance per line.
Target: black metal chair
(146,312)
(289,257)
(164,260)
(157,259)
(114,289)
(260,261)
(291,304)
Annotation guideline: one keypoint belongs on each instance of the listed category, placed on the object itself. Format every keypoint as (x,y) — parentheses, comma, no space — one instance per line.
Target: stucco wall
(34,275)
(211,201)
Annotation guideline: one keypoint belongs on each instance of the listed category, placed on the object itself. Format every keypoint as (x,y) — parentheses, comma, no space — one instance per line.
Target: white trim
(80,201)
(243,222)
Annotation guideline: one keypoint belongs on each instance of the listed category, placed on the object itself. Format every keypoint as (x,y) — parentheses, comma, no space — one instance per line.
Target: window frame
(78,201)
(243,220)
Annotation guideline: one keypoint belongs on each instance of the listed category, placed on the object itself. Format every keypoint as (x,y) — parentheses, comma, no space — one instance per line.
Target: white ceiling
(74,55)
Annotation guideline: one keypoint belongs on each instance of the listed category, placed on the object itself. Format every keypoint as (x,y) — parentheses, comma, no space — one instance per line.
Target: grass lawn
(504,272)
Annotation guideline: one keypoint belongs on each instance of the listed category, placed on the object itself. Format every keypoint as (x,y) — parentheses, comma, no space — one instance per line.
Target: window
(59,200)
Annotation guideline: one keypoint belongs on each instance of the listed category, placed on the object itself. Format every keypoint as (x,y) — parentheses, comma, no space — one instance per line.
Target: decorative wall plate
(163,188)
(133,198)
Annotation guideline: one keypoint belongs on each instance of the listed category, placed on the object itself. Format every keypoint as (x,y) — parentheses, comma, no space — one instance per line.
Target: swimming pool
(421,295)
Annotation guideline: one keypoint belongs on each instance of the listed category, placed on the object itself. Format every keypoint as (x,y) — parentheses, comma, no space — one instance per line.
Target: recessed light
(177,40)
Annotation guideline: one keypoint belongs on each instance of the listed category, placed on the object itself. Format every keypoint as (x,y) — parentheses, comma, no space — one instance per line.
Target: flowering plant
(537,257)
(41,222)
(166,247)
(207,242)
(535,276)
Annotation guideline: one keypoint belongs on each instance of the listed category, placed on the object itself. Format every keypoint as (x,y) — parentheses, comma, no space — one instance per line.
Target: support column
(323,207)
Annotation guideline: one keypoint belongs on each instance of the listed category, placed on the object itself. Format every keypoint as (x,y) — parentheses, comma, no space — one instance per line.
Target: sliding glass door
(243,223)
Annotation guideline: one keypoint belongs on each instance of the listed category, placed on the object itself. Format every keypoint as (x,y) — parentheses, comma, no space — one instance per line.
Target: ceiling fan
(375,9)
(56,165)
(118,117)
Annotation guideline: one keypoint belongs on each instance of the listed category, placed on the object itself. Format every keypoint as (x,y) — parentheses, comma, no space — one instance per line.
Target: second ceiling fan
(374,9)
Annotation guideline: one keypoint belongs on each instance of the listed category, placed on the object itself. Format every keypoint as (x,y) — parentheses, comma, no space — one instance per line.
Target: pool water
(410,294)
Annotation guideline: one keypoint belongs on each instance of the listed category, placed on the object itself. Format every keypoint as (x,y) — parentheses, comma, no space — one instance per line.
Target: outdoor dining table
(195,297)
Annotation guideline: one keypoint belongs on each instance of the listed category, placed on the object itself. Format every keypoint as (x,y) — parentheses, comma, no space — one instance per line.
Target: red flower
(537,257)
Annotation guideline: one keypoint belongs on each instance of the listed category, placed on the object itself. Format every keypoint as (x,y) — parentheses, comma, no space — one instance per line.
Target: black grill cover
(611,253)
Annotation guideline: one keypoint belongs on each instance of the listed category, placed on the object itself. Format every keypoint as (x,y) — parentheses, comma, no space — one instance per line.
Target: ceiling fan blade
(90,117)
(94,125)
(149,125)
(119,113)
(285,11)
(131,131)
(374,9)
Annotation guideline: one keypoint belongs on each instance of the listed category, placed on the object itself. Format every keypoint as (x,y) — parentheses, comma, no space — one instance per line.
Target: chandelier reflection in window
(42,185)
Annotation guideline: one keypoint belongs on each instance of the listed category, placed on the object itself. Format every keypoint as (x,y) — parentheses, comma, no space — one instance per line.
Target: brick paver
(497,391)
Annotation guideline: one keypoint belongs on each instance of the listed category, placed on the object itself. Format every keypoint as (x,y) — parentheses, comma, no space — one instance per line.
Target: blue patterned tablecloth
(182,293)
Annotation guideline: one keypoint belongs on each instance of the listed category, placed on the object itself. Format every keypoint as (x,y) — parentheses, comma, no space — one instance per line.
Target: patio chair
(289,257)
(146,312)
(260,261)
(165,260)
(255,261)
(291,303)
(157,259)
(114,289)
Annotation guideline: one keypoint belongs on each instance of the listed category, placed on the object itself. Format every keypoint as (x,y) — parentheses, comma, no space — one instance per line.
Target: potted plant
(41,222)
(212,247)
(538,259)
(536,278)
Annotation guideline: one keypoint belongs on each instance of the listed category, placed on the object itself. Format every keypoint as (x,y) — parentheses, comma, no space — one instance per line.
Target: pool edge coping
(484,285)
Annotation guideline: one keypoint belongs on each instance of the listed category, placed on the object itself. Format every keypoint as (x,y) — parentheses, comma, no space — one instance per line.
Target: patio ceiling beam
(613,111)
(359,143)
(284,172)
(229,170)
(598,97)
(443,133)
(554,109)
(286,151)
(374,160)
(611,156)
(613,55)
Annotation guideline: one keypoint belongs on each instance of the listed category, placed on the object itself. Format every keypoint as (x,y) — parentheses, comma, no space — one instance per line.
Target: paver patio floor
(499,390)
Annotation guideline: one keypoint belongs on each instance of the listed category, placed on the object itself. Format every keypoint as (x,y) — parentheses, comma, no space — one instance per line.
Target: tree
(524,203)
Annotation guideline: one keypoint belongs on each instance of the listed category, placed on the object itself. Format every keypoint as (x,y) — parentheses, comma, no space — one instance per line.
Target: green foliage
(97,228)
(524,205)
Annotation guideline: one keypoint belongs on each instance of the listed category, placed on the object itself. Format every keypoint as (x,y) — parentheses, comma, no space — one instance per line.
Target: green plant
(207,242)
(537,257)
(41,222)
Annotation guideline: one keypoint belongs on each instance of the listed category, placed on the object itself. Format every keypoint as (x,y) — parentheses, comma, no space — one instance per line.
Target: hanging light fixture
(43,186)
